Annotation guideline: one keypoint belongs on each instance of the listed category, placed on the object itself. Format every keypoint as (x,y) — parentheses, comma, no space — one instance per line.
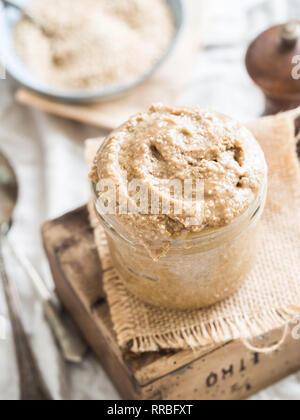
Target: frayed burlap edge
(205,334)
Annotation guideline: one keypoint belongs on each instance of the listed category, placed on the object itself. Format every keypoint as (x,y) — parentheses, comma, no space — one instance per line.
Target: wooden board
(228,372)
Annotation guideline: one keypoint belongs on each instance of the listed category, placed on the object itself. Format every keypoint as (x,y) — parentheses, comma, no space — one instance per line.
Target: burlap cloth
(271,295)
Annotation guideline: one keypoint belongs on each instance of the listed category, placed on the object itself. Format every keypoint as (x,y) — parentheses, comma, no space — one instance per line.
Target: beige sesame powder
(93,43)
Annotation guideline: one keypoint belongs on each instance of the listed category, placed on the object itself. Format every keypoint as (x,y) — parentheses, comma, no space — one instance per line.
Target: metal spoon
(71,344)
(32,386)
(27,15)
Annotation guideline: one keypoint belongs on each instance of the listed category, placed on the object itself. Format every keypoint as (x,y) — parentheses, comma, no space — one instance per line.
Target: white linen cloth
(47,153)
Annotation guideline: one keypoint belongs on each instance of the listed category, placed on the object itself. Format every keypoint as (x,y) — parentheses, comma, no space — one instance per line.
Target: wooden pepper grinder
(272,64)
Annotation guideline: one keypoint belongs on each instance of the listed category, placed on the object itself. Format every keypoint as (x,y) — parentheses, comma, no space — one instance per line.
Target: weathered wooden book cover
(228,372)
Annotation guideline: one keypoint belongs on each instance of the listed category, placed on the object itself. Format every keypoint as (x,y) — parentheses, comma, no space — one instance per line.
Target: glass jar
(197,272)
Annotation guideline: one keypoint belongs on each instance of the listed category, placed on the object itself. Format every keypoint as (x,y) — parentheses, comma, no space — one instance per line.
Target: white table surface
(47,153)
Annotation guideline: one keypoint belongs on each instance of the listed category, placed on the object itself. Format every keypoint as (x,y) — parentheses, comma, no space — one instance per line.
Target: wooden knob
(290,34)
(271,61)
